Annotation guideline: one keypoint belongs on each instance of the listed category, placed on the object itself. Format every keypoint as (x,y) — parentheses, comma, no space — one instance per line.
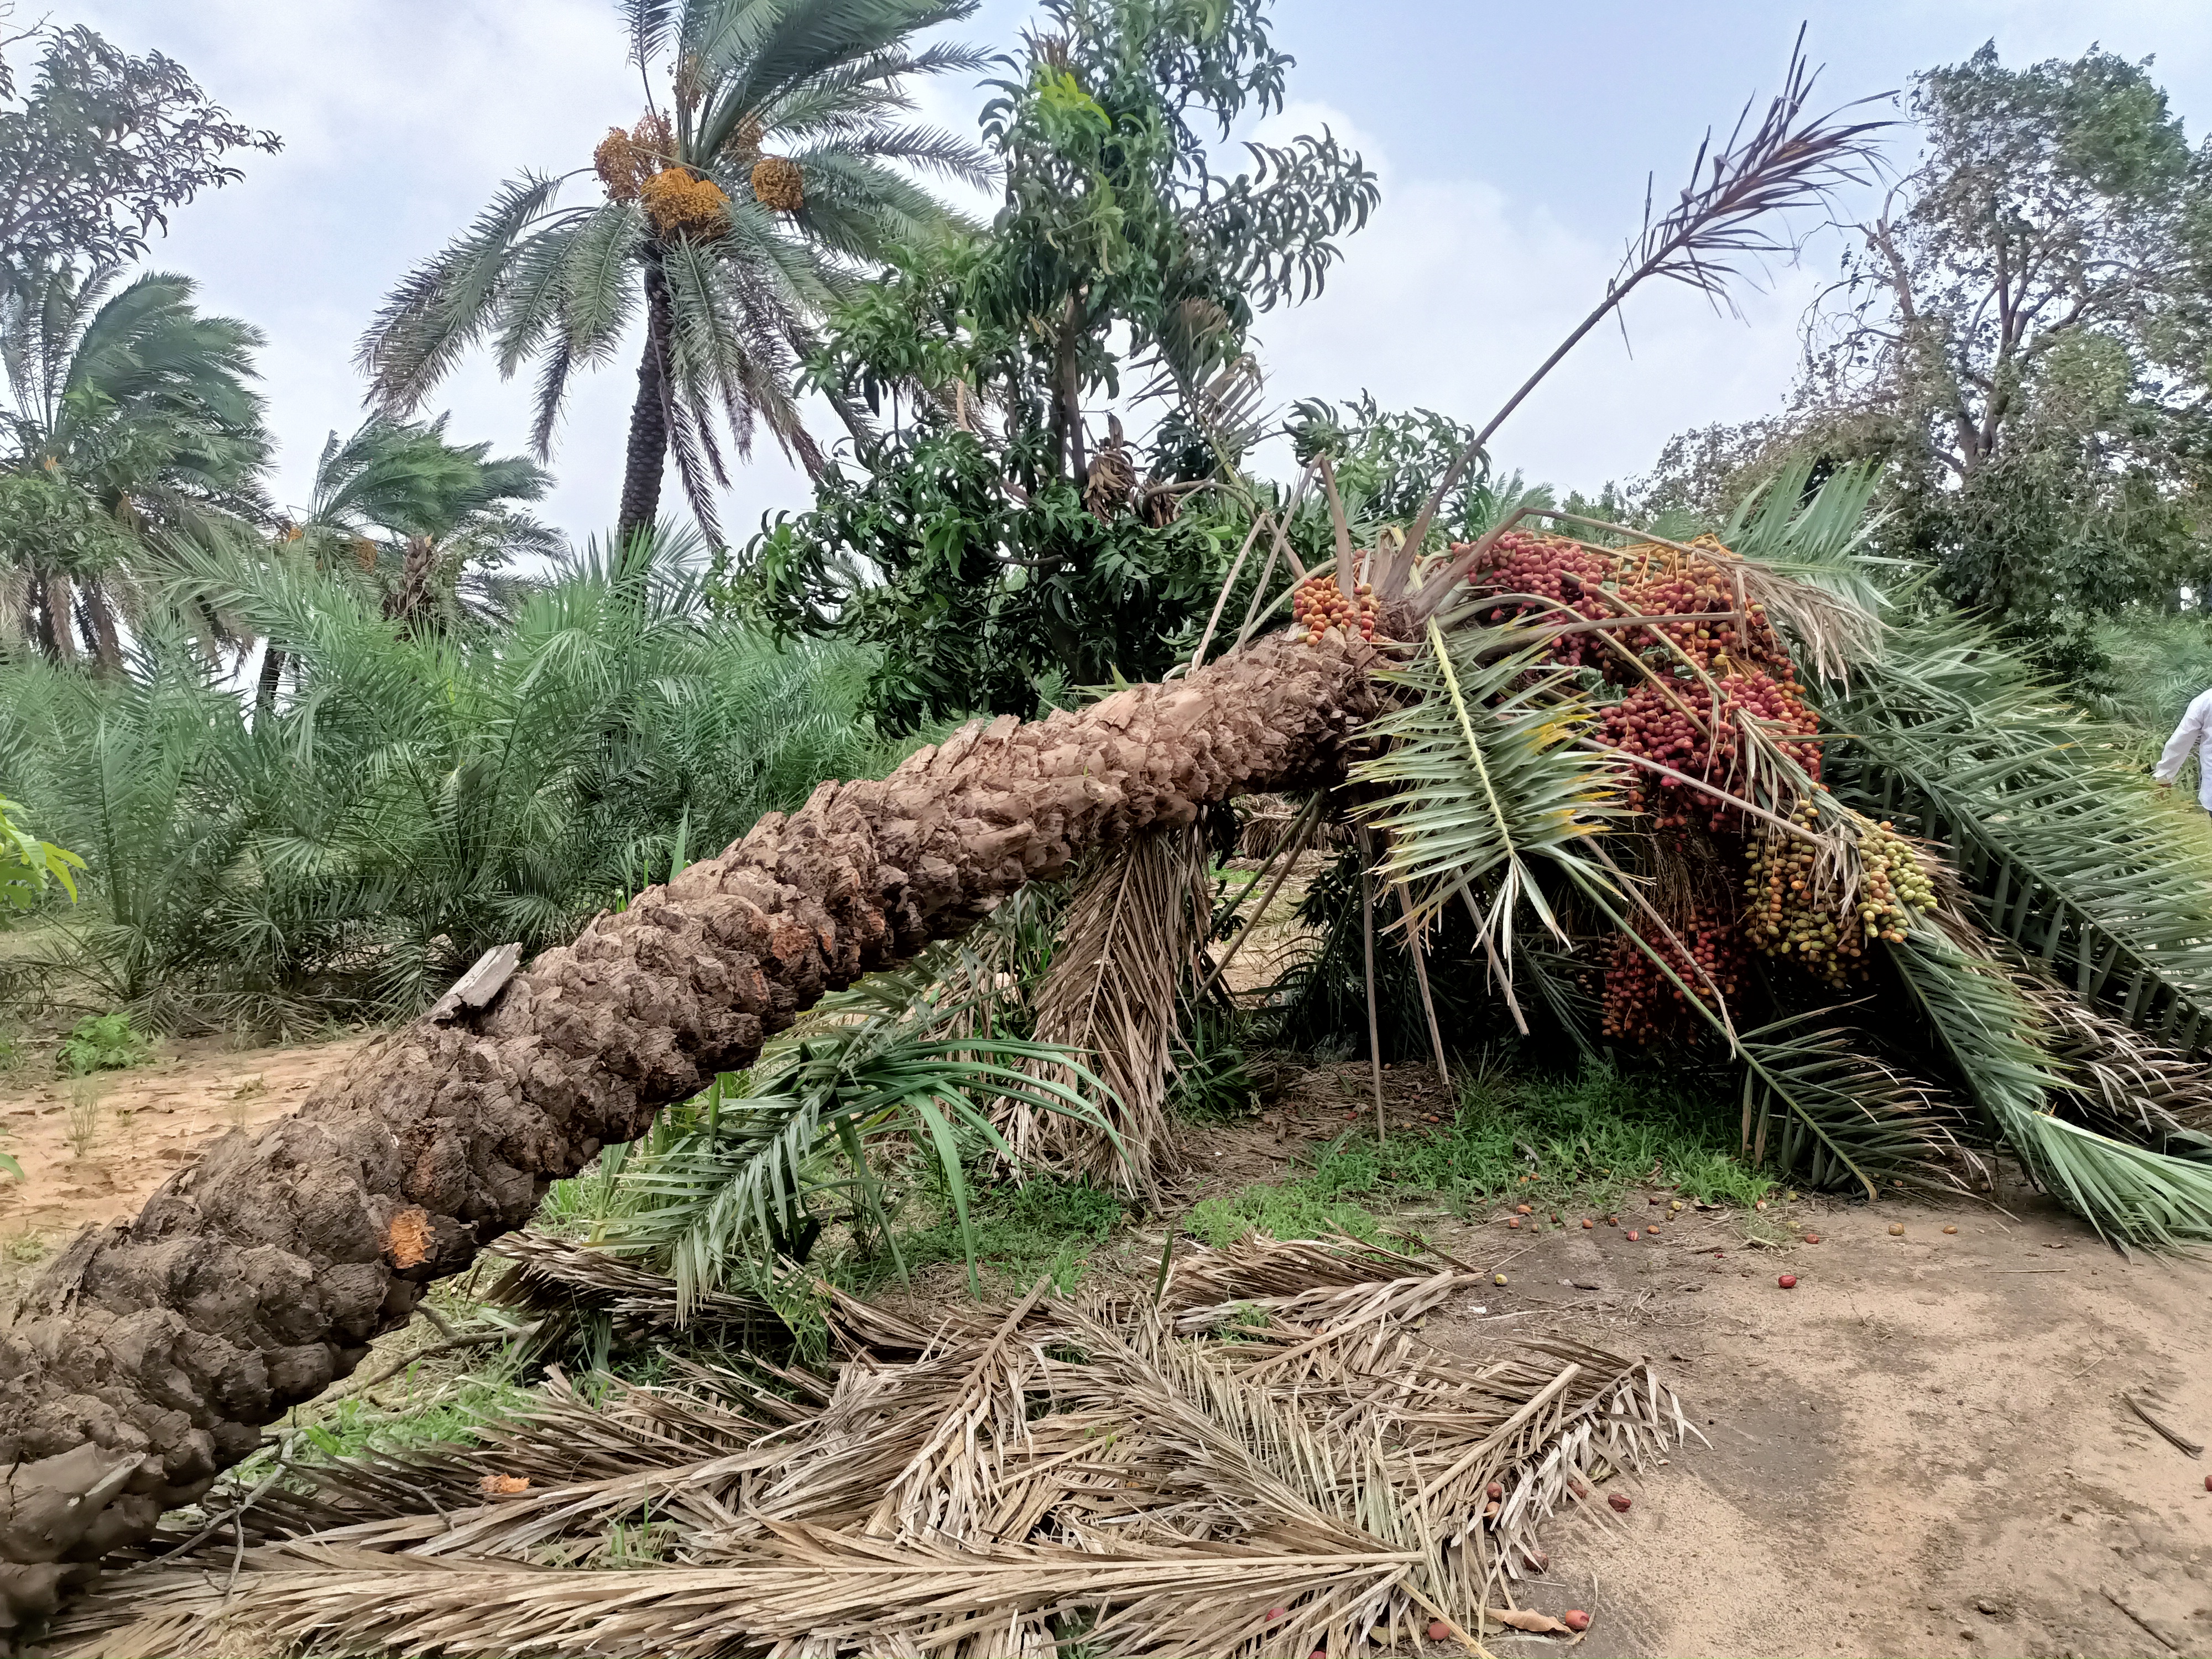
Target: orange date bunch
(1317,604)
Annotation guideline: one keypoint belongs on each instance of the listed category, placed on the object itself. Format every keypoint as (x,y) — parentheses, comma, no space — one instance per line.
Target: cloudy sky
(1513,141)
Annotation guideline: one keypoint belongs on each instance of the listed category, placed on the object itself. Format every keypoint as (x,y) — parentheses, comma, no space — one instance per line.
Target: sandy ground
(93,1148)
(1923,1448)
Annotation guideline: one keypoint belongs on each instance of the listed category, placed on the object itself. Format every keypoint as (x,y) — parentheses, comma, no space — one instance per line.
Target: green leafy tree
(28,865)
(98,149)
(731,220)
(2024,332)
(989,539)
(128,412)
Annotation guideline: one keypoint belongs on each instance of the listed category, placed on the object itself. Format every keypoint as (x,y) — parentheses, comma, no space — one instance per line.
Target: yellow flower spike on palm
(680,205)
(778,184)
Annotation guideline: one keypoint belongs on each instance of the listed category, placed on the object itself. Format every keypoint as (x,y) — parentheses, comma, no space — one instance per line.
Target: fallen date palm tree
(145,1358)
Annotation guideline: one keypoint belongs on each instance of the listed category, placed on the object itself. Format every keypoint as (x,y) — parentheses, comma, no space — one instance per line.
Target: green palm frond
(2132,1196)
(1828,1115)
(1485,784)
(743,1184)
(2069,851)
(444,306)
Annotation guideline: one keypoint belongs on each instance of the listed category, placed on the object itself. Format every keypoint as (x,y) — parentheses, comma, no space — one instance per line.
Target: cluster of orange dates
(1317,604)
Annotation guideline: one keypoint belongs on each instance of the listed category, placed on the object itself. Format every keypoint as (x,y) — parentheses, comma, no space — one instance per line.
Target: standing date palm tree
(733,215)
(427,519)
(126,411)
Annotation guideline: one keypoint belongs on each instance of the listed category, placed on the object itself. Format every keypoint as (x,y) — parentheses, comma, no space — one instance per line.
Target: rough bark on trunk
(145,1358)
(646,456)
(408,604)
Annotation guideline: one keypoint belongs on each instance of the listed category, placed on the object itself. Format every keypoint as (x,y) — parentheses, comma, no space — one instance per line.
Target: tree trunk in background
(146,1357)
(270,681)
(647,453)
(409,603)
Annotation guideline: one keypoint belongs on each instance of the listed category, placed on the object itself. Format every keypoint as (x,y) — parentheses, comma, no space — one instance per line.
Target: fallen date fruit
(1587,1222)
(1812,1238)
(1619,1501)
(1632,1235)
(1524,1209)
(1499,1492)
(1513,1221)
(1950,1230)
(1788,1281)
(1897,1229)
(1575,1619)
(1276,1615)
(1438,1631)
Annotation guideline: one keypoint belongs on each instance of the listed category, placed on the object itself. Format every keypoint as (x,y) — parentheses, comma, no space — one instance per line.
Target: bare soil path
(95,1148)
(1922,1449)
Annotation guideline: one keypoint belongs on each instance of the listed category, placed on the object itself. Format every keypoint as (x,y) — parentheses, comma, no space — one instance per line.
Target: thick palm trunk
(144,1359)
(646,456)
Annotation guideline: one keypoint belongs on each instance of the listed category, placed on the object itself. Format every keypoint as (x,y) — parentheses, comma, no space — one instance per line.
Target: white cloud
(1456,291)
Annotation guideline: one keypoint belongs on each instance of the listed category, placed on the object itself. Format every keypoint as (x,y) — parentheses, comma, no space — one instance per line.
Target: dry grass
(1255,1457)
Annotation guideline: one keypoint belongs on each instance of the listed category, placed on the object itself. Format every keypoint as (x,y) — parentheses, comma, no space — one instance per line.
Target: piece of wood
(1374,1021)
(2151,1629)
(486,978)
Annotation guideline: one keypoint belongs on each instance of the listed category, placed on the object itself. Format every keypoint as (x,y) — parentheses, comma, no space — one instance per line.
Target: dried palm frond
(1834,633)
(560,1280)
(2125,1085)
(1723,220)
(1129,935)
(1136,1472)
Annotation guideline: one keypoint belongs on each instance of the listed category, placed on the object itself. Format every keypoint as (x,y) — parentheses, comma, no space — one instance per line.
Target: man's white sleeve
(2183,744)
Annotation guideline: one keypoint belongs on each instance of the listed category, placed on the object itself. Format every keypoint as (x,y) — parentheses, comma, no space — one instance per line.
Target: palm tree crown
(734,216)
(127,411)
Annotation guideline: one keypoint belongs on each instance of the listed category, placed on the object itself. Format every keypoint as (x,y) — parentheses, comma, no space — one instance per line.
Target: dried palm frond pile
(1127,939)
(1261,1457)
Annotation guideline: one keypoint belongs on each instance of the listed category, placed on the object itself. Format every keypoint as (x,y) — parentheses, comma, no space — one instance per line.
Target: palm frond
(1486,785)
(2069,851)
(2132,1196)
(1260,1458)
(1819,1108)
(1128,937)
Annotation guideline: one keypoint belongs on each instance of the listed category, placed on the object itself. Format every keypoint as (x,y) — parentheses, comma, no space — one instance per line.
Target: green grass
(1044,1226)
(1592,1137)
(1295,1209)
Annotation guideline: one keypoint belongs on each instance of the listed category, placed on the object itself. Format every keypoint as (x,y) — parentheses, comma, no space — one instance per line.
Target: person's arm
(2183,744)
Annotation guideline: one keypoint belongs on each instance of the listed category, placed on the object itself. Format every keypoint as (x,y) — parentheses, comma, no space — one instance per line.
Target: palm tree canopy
(136,397)
(405,478)
(785,165)
(126,410)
